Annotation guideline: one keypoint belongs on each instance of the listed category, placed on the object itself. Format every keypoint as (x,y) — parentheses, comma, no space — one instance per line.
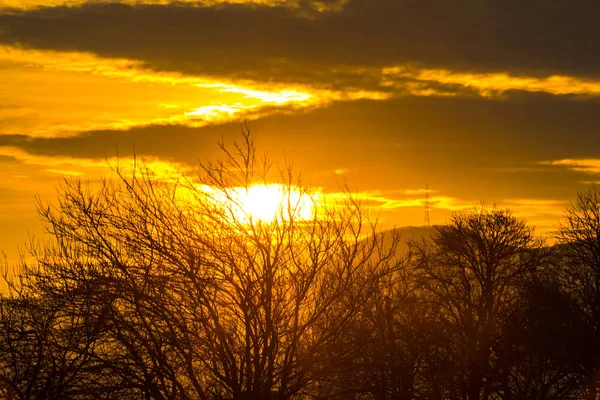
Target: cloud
(589,166)
(533,202)
(533,38)
(66,172)
(305,5)
(451,138)
(389,200)
(36,4)
(445,82)
(75,92)
(94,168)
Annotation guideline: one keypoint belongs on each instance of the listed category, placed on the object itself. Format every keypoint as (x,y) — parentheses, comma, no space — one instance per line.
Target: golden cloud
(486,84)
(63,93)
(387,201)
(33,4)
(66,172)
(316,5)
(587,165)
(162,169)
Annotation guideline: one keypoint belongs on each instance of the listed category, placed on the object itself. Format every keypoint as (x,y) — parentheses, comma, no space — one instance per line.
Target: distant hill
(417,233)
(407,233)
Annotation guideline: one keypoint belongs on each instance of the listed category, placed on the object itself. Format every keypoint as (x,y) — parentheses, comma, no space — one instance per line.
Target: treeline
(159,289)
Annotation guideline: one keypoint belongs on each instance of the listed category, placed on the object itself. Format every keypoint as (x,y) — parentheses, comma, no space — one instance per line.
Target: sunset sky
(495,100)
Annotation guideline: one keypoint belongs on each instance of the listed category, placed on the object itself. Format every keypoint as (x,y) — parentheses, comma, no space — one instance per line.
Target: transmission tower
(427,220)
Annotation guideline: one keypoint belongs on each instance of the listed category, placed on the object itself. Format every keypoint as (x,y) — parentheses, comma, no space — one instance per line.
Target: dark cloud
(457,145)
(539,126)
(278,43)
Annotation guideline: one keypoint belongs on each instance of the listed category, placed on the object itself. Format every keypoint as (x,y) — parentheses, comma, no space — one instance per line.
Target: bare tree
(579,240)
(470,270)
(45,345)
(538,356)
(396,349)
(194,297)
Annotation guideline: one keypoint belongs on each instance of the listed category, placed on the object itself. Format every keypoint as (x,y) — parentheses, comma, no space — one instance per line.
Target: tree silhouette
(399,346)
(579,240)
(544,336)
(154,287)
(470,271)
(171,290)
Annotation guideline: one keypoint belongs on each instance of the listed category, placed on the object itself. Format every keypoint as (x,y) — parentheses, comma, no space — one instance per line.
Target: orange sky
(482,101)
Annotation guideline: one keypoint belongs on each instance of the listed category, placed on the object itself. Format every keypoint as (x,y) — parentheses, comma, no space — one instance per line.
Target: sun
(268,203)
(265,203)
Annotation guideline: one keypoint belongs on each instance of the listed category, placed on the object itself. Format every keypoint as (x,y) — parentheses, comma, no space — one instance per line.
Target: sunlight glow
(278,98)
(214,112)
(264,203)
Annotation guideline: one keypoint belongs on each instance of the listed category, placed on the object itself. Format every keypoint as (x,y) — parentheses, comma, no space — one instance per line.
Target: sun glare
(269,202)
(266,203)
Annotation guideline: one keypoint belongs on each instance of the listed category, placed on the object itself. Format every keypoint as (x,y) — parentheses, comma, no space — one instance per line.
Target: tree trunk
(592,388)
(475,383)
